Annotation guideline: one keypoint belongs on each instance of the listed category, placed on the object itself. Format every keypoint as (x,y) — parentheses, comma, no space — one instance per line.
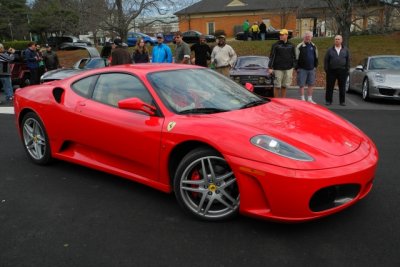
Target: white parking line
(6,110)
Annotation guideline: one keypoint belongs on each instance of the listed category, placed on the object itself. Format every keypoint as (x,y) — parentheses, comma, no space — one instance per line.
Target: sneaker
(328,103)
(10,99)
(311,100)
(303,98)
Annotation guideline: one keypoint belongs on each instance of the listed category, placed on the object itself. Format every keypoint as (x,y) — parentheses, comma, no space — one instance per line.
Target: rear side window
(83,87)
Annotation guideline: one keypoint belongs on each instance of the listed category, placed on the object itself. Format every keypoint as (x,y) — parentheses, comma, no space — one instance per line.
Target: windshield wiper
(253,104)
(202,111)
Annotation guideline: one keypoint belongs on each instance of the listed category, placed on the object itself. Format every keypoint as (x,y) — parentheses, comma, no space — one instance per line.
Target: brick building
(207,16)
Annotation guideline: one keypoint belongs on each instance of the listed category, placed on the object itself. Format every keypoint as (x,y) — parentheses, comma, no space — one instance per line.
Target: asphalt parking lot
(67,215)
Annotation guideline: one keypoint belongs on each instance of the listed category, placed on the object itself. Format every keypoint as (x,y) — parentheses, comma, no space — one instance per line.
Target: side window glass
(113,87)
(83,86)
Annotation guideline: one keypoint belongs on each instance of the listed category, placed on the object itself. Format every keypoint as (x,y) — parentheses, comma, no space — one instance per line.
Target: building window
(210,27)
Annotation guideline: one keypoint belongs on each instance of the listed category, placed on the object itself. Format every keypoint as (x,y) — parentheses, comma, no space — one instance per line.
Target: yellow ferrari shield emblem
(171,125)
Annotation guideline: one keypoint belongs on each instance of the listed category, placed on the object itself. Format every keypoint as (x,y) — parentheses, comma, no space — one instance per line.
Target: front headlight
(380,78)
(279,147)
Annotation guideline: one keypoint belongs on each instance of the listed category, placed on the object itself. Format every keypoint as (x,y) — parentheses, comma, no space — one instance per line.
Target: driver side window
(113,87)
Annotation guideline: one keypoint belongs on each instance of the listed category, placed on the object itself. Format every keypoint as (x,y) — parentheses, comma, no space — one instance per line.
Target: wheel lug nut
(210,193)
(217,191)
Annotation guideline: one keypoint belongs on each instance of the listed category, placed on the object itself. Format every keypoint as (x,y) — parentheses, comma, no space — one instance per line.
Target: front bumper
(385,92)
(281,194)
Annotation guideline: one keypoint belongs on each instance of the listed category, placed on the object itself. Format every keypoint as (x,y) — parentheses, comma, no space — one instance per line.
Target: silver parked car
(376,77)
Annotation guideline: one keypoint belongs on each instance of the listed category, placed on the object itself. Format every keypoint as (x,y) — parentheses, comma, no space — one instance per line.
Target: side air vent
(58,94)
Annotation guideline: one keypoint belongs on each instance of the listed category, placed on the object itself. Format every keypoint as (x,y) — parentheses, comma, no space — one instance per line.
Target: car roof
(378,56)
(139,69)
(93,52)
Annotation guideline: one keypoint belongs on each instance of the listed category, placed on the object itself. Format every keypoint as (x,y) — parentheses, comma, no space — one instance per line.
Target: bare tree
(342,11)
(88,22)
(121,13)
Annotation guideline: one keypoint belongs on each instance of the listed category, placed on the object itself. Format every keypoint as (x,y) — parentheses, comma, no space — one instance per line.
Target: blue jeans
(7,86)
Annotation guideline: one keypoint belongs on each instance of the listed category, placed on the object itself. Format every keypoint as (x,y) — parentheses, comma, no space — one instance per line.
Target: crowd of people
(285,57)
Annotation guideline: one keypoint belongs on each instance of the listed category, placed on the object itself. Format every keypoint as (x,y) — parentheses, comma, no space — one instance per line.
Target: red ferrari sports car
(189,130)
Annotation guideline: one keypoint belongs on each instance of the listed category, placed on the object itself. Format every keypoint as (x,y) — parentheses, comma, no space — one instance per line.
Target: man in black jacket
(281,63)
(50,59)
(336,65)
(306,64)
(119,55)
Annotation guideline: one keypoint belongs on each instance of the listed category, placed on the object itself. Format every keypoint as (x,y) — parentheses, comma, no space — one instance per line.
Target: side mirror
(136,104)
(359,67)
(249,87)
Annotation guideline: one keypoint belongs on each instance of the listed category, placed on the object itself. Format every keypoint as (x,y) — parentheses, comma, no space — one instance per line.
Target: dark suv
(20,74)
(66,42)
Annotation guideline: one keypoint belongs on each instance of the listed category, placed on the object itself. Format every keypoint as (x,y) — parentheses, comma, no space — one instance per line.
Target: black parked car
(254,70)
(194,37)
(271,34)
(66,42)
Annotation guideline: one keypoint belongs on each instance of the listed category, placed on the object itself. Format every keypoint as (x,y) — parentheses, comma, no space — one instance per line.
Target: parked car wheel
(36,142)
(26,80)
(205,186)
(348,84)
(365,89)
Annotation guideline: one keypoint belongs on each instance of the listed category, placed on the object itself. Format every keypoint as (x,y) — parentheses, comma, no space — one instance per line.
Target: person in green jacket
(246,27)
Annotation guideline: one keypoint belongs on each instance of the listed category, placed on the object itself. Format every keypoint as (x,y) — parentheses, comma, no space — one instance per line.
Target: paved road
(67,215)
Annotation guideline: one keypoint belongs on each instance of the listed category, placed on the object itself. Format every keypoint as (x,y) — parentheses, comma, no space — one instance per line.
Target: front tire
(365,90)
(206,187)
(35,139)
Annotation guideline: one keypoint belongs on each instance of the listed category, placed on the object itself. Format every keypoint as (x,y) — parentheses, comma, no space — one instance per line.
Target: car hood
(59,74)
(300,124)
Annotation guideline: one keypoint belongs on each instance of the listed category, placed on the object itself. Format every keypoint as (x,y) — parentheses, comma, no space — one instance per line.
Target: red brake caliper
(195,177)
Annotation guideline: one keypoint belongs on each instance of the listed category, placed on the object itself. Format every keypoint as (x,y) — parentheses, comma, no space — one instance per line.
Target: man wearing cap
(223,56)
(119,55)
(182,50)
(50,59)
(161,52)
(281,63)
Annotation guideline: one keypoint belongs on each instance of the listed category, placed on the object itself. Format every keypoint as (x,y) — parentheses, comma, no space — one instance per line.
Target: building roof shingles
(221,6)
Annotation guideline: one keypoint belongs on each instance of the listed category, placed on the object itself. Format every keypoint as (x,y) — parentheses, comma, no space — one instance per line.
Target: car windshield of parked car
(381,63)
(200,91)
(252,62)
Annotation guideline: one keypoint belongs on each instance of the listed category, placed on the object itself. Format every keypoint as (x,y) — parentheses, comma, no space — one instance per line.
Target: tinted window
(82,87)
(113,87)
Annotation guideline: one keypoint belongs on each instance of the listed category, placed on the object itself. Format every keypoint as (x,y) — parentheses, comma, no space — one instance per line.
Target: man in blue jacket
(32,59)
(161,52)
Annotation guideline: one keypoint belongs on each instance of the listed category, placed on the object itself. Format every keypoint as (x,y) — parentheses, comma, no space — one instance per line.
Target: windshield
(200,91)
(381,63)
(252,62)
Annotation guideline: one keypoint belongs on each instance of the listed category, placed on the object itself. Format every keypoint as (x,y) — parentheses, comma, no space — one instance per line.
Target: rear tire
(206,187)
